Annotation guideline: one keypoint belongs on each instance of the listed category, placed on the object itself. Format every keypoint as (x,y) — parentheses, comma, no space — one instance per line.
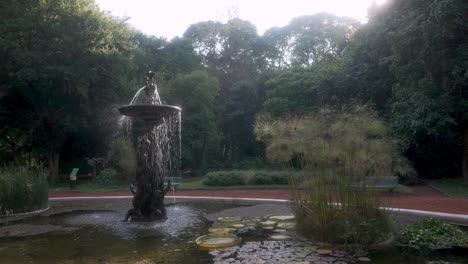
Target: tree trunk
(53,159)
(465,153)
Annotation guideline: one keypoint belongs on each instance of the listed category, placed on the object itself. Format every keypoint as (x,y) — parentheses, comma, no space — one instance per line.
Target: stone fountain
(154,131)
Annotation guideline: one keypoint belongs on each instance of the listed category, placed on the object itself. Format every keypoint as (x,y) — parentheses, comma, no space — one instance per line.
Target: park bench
(175,181)
(382,183)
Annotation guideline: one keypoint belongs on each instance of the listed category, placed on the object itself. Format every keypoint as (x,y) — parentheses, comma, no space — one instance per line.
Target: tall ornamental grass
(338,150)
(22,190)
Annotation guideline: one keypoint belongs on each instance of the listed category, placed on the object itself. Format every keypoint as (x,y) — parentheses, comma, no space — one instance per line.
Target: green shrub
(407,175)
(122,156)
(248,177)
(223,178)
(22,190)
(108,176)
(431,234)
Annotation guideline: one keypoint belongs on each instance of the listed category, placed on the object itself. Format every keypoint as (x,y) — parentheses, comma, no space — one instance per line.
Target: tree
(64,61)
(309,39)
(303,90)
(429,60)
(233,53)
(195,93)
(166,58)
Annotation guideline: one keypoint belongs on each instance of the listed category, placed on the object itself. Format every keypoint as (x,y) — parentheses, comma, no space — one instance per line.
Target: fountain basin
(148,111)
(90,230)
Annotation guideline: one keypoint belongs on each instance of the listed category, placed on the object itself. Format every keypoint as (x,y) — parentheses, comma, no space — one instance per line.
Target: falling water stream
(155,134)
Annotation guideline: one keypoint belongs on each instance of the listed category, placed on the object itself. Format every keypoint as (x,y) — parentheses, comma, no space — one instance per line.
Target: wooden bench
(175,181)
(387,183)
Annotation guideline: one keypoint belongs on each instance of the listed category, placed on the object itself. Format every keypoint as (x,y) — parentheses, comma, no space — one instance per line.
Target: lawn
(451,187)
(189,183)
(87,186)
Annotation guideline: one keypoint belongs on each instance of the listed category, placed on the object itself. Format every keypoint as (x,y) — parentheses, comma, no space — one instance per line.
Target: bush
(22,190)
(407,175)
(122,156)
(108,176)
(223,178)
(431,234)
(248,177)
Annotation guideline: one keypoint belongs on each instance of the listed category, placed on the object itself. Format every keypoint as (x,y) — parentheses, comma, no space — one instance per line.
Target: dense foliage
(66,66)
(22,190)
(248,177)
(431,234)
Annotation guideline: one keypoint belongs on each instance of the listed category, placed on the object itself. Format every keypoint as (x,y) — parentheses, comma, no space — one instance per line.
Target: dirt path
(425,198)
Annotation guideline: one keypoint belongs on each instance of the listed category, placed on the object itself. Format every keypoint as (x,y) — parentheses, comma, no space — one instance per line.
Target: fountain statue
(154,131)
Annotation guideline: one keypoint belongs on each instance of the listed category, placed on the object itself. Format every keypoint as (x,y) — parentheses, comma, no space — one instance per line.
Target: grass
(87,186)
(190,183)
(451,187)
(22,190)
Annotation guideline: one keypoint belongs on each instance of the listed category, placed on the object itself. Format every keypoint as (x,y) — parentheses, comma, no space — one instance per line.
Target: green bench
(175,181)
(387,183)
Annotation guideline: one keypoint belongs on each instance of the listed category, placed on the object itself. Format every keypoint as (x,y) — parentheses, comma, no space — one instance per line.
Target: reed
(337,150)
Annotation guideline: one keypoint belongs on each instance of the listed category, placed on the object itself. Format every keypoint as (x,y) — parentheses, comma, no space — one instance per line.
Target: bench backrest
(391,181)
(174,180)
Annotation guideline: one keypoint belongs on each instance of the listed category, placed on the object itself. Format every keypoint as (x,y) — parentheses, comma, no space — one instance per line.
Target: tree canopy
(66,66)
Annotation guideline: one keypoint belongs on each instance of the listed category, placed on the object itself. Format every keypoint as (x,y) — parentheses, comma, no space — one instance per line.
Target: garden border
(28,213)
(458,219)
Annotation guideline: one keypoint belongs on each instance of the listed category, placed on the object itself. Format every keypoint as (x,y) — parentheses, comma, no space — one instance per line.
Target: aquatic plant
(338,150)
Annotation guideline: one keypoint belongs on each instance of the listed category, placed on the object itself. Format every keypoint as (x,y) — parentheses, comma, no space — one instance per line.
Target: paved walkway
(425,198)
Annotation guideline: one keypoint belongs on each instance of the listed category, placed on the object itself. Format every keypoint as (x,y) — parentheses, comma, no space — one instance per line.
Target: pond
(72,233)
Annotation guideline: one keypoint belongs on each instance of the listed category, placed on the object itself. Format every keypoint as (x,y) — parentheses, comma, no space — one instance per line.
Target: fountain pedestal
(154,131)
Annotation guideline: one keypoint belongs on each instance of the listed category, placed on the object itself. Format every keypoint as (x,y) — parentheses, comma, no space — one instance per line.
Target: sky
(170,18)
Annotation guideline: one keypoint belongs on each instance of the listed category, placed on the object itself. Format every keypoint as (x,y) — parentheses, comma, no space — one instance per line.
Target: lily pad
(229,219)
(281,217)
(286,225)
(268,223)
(280,237)
(324,251)
(221,230)
(279,230)
(237,225)
(217,240)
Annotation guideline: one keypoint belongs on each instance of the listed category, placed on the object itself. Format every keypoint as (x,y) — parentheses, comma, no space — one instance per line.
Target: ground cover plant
(22,190)
(431,234)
